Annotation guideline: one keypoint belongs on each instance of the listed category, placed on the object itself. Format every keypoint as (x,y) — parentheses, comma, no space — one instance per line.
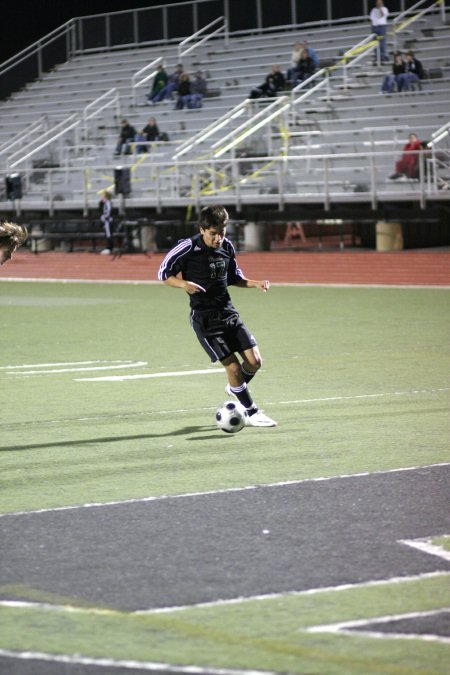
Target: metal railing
(110,99)
(136,83)
(323,179)
(183,50)
(22,138)
(439,162)
(408,16)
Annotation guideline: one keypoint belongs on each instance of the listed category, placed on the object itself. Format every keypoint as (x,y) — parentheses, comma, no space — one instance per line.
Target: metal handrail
(406,22)
(222,29)
(218,124)
(21,136)
(151,66)
(72,123)
(86,115)
(36,48)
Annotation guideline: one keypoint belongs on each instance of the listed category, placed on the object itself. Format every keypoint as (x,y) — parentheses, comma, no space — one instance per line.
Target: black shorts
(221,334)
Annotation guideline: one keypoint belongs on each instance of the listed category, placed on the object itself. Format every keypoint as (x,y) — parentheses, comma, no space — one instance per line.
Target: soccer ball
(231,417)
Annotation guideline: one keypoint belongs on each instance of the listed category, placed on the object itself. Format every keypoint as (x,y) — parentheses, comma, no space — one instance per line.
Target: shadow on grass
(114,439)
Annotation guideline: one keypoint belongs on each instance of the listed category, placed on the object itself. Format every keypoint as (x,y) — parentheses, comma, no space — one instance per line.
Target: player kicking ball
(204,266)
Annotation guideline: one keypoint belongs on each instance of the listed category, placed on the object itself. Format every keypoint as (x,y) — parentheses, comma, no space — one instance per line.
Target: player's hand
(193,288)
(264,285)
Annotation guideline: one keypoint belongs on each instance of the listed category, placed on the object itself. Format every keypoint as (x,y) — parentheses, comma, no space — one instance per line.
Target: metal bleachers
(343,121)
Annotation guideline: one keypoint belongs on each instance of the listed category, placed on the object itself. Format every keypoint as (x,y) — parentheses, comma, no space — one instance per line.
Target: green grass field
(356,378)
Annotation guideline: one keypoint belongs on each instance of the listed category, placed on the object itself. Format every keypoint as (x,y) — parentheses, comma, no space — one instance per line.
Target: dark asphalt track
(181,551)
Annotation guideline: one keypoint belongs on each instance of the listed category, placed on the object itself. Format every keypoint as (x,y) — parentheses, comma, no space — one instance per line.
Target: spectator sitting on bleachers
(305,66)
(392,79)
(127,136)
(412,75)
(273,83)
(159,82)
(149,134)
(198,90)
(184,93)
(312,54)
(292,73)
(170,87)
(407,165)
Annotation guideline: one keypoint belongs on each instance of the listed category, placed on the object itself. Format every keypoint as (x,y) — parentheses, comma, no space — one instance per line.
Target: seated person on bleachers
(412,75)
(312,54)
(392,79)
(184,92)
(273,83)
(305,66)
(407,165)
(170,87)
(198,90)
(127,136)
(149,133)
(159,82)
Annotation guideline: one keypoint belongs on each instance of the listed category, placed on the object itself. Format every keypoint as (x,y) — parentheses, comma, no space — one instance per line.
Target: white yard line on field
(346,627)
(147,376)
(177,411)
(186,495)
(125,664)
(299,284)
(427,546)
(371,583)
(136,364)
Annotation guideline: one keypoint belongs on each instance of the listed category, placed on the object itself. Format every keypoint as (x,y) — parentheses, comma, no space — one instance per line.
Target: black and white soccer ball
(231,417)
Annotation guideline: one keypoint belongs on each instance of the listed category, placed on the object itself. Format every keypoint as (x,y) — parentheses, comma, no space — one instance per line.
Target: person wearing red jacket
(407,165)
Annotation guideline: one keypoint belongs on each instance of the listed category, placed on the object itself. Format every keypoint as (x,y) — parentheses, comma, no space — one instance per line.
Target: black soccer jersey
(214,269)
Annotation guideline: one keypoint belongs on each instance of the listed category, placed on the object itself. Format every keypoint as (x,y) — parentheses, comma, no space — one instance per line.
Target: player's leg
(238,388)
(251,363)
(236,385)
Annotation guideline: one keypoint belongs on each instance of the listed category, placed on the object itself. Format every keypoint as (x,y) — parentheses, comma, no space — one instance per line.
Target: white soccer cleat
(259,419)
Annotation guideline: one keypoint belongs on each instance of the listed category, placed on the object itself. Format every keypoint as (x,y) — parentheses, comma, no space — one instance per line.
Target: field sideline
(318,546)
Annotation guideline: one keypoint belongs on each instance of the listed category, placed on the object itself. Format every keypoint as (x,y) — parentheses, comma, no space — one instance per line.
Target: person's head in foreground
(11,237)
(213,222)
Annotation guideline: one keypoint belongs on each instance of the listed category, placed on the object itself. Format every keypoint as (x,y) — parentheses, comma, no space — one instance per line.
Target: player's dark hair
(213,216)
(12,235)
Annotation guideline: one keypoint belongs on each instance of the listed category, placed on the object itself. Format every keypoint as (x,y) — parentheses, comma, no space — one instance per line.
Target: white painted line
(426,637)
(178,411)
(48,607)
(64,363)
(346,627)
(150,282)
(136,665)
(147,376)
(426,546)
(362,396)
(185,495)
(135,364)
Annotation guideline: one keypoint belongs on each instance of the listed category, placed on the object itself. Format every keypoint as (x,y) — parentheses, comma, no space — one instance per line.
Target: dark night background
(24,22)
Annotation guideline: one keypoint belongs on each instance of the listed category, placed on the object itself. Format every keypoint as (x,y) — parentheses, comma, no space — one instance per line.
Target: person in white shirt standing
(378,19)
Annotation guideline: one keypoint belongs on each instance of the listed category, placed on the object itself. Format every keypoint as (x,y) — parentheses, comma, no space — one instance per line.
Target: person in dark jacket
(149,133)
(412,75)
(305,66)
(391,81)
(184,92)
(126,137)
(273,83)
(106,220)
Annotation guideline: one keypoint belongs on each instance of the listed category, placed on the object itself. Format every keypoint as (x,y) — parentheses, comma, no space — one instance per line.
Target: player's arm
(188,286)
(262,284)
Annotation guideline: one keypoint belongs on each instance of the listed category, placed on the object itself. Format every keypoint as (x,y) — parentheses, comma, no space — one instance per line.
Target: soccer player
(204,266)
(11,237)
